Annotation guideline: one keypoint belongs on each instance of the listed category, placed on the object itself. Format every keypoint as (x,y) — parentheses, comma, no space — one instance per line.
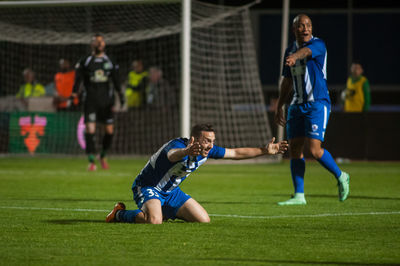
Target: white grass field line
(222,215)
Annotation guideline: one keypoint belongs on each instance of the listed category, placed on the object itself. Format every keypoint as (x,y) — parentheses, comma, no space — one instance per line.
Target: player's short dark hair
(98,35)
(197,129)
(94,36)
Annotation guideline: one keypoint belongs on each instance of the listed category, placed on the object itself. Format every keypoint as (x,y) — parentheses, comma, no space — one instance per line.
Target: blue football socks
(127,216)
(298,168)
(329,163)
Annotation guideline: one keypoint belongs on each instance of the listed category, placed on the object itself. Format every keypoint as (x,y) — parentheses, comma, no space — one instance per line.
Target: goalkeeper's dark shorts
(101,114)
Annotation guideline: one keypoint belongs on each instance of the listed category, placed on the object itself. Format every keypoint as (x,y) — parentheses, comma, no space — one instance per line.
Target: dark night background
(374,41)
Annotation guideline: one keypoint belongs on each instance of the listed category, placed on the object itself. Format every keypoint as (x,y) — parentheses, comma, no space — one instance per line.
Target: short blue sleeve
(317,47)
(176,144)
(216,152)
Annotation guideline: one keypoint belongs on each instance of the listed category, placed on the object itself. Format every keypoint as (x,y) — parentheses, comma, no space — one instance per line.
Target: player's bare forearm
(246,153)
(77,82)
(285,90)
(176,155)
(303,53)
(284,94)
(300,54)
(117,84)
(192,149)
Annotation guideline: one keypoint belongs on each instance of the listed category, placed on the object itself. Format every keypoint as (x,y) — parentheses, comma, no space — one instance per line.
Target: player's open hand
(193,148)
(276,148)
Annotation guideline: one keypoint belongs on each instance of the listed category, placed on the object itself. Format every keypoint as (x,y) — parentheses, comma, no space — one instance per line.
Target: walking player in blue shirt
(304,72)
(156,189)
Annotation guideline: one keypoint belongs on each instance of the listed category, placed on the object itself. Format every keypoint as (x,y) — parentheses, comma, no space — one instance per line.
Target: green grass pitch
(52,213)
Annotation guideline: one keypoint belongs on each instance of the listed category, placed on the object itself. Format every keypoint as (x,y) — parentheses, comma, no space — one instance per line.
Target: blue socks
(329,163)
(127,216)
(298,168)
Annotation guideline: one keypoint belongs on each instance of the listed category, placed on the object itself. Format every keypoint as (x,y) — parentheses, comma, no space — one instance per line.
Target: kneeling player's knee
(151,218)
(207,220)
(204,219)
(154,220)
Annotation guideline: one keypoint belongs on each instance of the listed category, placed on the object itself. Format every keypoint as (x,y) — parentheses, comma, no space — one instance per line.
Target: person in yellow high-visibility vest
(30,88)
(357,96)
(136,85)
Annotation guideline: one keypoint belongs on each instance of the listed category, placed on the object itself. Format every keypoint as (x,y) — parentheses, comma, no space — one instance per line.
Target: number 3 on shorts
(151,193)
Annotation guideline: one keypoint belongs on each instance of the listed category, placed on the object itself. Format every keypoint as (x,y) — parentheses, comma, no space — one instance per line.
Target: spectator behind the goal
(159,94)
(64,82)
(356,96)
(136,85)
(31,88)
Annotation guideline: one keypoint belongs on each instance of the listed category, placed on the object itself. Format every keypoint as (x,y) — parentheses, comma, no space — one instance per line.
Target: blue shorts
(308,120)
(170,202)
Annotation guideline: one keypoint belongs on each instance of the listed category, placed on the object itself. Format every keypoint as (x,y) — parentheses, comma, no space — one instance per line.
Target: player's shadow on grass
(350,197)
(72,221)
(293,261)
(77,221)
(231,202)
(74,200)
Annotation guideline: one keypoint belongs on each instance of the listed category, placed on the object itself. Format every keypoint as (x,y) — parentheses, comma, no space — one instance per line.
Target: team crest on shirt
(99,76)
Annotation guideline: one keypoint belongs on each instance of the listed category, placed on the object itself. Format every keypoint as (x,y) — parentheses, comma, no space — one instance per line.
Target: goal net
(225,84)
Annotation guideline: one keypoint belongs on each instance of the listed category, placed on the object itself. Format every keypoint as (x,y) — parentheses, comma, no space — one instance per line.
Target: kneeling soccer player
(156,189)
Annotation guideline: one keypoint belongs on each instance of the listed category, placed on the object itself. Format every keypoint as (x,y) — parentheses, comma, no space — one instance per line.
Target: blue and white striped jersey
(164,175)
(309,74)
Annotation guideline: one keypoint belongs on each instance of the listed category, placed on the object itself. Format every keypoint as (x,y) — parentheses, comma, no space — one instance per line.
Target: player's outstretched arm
(300,54)
(246,153)
(192,149)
